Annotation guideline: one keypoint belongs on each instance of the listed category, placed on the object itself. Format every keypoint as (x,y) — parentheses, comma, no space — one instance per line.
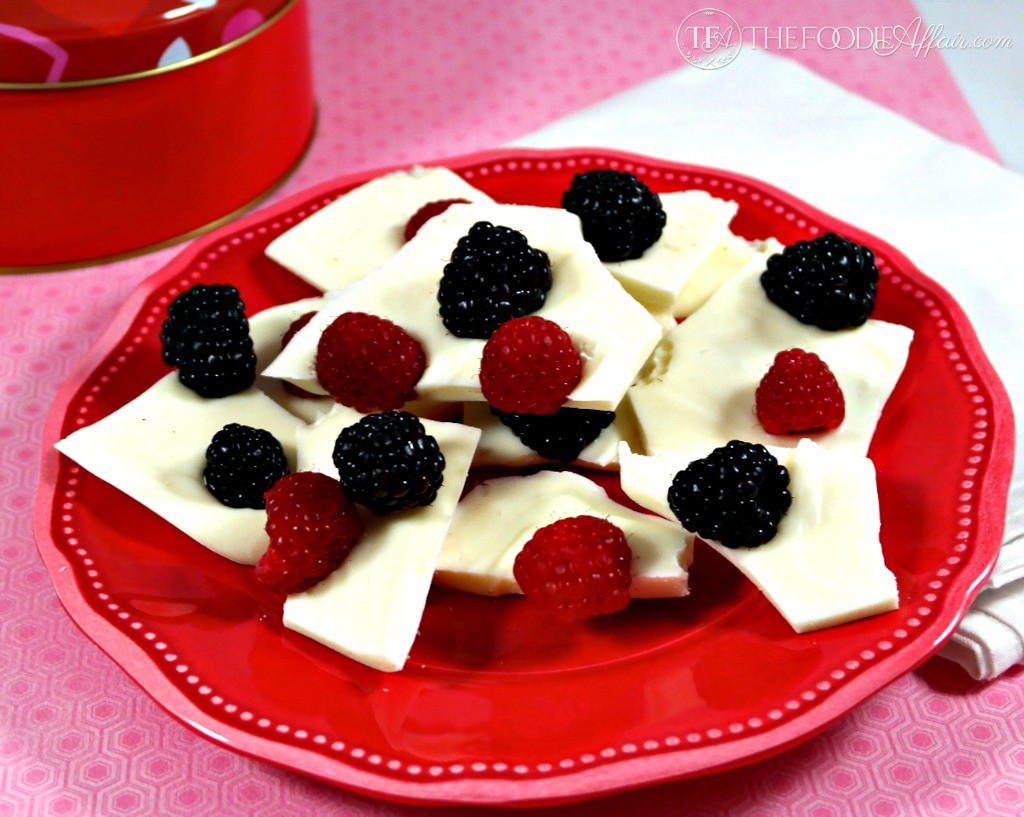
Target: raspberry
(206,335)
(293,329)
(369,363)
(619,214)
(529,366)
(427,212)
(389,463)
(735,495)
(493,275)
(561,436)
(799,393)
(242,463)
(312,526)
(579,567)
(829,282)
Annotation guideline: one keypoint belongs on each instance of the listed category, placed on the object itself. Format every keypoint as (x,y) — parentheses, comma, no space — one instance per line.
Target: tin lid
(85,41)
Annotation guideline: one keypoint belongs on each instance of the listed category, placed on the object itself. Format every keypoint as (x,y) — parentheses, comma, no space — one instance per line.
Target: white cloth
(990,639)
(955,213)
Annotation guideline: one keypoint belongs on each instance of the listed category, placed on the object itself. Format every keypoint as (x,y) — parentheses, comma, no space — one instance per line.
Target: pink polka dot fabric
(402,82)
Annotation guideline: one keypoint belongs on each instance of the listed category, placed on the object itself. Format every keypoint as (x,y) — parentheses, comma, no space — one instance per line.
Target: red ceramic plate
(495,705)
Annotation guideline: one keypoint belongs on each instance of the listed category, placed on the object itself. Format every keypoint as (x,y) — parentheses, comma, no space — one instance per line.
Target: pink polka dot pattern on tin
(241,23)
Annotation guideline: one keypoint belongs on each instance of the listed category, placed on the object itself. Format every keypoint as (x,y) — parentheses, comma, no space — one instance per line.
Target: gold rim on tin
(152,72)
(178,239)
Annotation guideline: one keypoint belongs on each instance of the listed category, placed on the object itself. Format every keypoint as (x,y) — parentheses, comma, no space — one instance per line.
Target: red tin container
(128,123)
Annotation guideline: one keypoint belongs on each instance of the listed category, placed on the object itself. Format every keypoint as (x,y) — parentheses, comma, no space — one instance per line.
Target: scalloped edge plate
(921,627)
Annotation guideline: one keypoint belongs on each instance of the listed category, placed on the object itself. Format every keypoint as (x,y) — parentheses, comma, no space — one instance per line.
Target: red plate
(495,705)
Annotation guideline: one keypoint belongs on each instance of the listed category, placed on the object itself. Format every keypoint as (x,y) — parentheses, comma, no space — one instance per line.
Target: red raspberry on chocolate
(312,526)
(580,567)
(799,394)
(530,366)
(369,363)
(427,212)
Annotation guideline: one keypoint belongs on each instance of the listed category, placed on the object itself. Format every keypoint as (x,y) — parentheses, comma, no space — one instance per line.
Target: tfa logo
(709,38)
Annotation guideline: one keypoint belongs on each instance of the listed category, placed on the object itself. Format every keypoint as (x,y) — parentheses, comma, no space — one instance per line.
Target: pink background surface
(404,82)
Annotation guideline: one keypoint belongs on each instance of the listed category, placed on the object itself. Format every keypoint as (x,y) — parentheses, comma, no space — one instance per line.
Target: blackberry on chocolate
(736,495)
(220,364)
(829,282)
(195,309)
(620,215)
(388,462)
(206,335)
(242,464)
(561,436)
(493,275)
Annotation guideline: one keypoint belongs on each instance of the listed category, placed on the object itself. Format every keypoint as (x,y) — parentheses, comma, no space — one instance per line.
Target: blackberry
(206,335)
(493,275)
(220,364)
(388,462)
(198,307)
(621,217)
(242,464)
(829,282)
(560,436)
(735,495)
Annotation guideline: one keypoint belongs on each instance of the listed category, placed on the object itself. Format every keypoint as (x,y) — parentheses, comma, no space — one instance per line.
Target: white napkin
(956,214)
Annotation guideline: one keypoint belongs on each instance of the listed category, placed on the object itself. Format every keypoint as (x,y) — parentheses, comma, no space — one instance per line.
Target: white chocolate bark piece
(266,329)
(824,566)
(695,223)
(666,320)
(497,518)
(369,609)
(732,256)
(362,229)
(154,450)
(584,300)
(499,446)
(697,390)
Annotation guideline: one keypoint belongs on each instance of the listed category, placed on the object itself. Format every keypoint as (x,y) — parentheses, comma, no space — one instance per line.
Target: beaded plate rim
(154,663)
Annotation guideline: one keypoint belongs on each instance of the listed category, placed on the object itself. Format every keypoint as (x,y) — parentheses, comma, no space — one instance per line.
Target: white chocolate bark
(362,229)
(695,224)
(266,329)
(732,256)
(154,450)
(824,566)
(697,390)
(497,518)
(370,607)
(613,333)
(499,446)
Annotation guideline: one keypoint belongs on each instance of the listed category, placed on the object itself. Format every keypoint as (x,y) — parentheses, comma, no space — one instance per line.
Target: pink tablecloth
(404,82)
